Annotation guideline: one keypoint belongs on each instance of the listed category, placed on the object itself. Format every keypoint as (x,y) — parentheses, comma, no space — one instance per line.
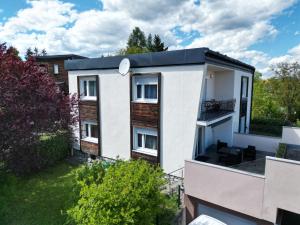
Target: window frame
(86,134)
(82,88)
(144,132)
(142,81)
(55,69)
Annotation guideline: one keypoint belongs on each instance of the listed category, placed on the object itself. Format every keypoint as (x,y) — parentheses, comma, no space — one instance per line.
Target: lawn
(41,199)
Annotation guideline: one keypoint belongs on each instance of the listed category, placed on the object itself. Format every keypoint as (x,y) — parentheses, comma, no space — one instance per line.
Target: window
(88,89)
(145,141)
(145,89)
(90,131)
(55,68)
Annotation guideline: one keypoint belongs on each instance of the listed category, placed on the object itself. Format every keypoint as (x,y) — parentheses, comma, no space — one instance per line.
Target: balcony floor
(212,115)
(256,166)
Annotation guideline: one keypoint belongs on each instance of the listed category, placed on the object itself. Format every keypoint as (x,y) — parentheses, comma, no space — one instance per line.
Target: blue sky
(260,32)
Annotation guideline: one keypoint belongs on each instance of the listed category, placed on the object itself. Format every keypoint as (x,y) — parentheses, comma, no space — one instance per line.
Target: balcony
(214,109)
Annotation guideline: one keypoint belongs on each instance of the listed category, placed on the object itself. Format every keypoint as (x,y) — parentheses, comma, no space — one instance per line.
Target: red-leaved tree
(30,104)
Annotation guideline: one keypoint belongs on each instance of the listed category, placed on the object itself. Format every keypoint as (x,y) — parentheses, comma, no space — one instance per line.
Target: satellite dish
(124,66)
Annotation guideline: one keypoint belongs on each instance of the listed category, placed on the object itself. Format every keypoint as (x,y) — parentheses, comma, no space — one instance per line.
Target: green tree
(137,43)
(286,86)
(28,53)
(265,104)
(129,194)
(158,45)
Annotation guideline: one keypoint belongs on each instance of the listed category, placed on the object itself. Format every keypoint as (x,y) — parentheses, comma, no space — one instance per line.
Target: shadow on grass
(41,199)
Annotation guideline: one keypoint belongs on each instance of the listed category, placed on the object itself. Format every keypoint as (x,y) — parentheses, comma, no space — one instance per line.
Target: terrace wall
(262,143)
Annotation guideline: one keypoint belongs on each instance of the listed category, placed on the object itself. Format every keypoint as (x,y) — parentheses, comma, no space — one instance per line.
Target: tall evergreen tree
(29,53)
(137,39)
(149,42)
(137,43)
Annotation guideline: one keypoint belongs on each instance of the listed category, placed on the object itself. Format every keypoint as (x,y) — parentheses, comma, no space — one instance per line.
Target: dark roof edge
(62,56)
(220,59)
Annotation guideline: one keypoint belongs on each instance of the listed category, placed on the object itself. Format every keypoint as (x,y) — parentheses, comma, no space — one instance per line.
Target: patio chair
(249,153)
(220,145)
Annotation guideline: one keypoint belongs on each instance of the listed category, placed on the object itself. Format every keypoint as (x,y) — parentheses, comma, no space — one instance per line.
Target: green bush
(266,126)
(128,194)
(281,151)
(53,148)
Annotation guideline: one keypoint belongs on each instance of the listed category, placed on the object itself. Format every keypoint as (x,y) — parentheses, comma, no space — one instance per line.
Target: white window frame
(81,86)
(83,131)
(144,80)
(144,131)
(55,69)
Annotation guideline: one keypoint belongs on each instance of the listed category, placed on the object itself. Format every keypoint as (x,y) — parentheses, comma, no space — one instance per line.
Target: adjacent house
(171,106)
(54,64)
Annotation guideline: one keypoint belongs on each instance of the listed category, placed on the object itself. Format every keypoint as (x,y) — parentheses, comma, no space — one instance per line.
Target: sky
(259,32)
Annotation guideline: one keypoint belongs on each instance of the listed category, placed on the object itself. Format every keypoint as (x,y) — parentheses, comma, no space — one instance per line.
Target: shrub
(281,151)
(53,148)
(50,149)
(129,194)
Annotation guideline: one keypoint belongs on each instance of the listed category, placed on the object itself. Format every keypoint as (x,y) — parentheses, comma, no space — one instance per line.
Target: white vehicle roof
(206,220)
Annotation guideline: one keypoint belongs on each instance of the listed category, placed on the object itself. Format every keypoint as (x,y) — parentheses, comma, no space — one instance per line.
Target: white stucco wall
(115,114)
(262,143)
(223,132)
(224,85)
(291,135)
(180,98)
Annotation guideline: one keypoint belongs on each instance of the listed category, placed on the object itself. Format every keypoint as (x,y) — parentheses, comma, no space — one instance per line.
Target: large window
(90,131)
(145,140)
(88,89)
(145,89)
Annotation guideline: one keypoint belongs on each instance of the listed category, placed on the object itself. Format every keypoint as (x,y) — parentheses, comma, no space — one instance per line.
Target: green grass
(41,199)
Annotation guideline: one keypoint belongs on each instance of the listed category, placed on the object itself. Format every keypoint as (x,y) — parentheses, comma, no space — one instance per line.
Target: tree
(29,106)
(286,86)
(264,104)
(157,45)
(29,53)
(137,43)
(129,194)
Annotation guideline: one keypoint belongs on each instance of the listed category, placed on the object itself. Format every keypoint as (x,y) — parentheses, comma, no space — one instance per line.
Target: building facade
(54,64)
(170,107)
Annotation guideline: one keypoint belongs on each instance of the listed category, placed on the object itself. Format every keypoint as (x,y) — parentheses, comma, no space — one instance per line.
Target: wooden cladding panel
(88,110)
(89,147)
(149,158)
(145,114)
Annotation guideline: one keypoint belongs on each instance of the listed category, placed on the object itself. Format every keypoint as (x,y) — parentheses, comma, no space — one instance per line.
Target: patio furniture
(221,145)
(230,156)
(202,158)
(249,153)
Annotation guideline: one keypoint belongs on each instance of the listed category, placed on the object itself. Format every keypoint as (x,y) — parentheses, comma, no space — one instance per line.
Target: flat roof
(192,56)
(63,56)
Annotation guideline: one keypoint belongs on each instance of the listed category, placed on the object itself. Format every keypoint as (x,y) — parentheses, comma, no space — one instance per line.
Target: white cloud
(230,27)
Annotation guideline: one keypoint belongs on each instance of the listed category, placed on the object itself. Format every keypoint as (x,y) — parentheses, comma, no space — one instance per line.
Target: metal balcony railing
(216,106)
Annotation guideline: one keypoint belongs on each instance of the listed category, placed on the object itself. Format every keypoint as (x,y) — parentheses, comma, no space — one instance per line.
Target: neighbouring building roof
(168,58)
(64,57)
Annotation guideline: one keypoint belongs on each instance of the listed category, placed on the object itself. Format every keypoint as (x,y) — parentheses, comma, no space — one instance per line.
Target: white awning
(206,220)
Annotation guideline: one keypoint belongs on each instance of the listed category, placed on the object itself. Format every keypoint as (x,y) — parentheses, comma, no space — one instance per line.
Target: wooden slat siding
(145,115)
(88,110)
(149,158)
(89,147)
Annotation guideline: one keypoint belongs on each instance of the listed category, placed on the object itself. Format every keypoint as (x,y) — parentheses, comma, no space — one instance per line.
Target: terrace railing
(216,105)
